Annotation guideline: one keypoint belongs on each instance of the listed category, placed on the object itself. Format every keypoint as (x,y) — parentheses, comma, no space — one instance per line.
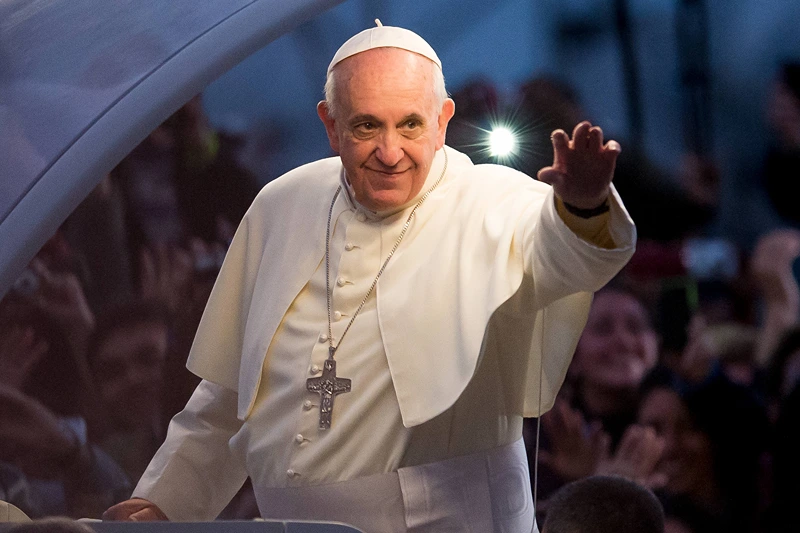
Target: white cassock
(484,299)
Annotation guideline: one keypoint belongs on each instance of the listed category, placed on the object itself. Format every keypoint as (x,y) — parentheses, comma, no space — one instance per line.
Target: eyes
(367,129)
(605,325)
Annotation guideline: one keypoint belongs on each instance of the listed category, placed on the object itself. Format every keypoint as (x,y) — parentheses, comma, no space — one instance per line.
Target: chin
(382,202)
(612,378)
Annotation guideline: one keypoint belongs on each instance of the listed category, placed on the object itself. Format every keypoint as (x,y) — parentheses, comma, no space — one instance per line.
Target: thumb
(550,175)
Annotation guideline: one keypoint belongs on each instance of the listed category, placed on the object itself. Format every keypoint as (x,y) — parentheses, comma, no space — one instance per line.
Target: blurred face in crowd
(129,367)
(387,124)
(687,461)
(618,346)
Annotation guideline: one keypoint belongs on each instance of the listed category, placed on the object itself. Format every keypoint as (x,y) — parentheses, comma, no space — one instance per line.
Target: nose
(389,150)
(625,339)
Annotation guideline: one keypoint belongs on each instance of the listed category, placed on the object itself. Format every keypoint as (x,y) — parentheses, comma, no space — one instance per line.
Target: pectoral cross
(327,386)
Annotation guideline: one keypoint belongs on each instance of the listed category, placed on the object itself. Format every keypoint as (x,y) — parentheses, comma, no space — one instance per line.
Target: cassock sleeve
(563,263)
(195,474)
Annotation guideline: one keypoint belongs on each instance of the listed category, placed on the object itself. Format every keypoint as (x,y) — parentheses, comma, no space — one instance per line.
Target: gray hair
(439,90)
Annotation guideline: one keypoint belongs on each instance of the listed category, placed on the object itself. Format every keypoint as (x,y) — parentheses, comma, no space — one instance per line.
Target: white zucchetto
(384,37)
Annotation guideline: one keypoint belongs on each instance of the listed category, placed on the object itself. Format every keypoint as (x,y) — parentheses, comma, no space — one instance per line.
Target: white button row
(349,246)
(314,369)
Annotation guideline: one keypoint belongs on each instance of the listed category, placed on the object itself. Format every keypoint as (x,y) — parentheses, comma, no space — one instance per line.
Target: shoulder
(491,180)
(317,175)
(288,198)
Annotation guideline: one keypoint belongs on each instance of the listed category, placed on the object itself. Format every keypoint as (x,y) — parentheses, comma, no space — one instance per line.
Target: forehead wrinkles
(385,72)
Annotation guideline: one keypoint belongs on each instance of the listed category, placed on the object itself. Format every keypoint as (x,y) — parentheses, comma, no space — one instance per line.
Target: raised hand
(21,348)
(636,457)
(575,450)
(583,166)
(700,354)
(61,297)
(32,436)
(771,267)
(166,276)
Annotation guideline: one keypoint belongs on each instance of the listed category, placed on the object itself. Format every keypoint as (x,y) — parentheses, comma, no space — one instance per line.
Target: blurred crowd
(686,380)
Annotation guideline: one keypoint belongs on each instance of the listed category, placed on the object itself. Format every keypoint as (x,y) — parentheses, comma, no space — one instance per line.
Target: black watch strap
(588,213)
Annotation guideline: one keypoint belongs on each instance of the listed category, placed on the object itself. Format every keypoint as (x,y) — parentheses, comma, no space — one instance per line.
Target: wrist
(590,212)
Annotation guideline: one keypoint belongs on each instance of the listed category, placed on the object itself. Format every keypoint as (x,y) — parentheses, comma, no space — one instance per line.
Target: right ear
(330,125)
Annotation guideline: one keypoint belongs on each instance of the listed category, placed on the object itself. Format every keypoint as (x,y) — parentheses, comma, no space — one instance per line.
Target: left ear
(330,125)
(447,112)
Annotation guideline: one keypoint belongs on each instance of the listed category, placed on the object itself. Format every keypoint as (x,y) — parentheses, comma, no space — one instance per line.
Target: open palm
(582,167)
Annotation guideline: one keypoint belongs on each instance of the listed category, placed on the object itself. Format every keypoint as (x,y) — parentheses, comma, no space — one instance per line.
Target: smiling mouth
(387,172)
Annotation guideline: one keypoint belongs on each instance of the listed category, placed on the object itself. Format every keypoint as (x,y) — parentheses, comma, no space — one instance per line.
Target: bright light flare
(502,142)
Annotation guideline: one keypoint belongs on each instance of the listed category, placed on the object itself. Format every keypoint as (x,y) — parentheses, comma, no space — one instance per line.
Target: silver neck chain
(332,348)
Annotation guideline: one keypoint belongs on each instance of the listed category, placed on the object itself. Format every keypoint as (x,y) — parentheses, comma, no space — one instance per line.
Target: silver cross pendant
(327,386)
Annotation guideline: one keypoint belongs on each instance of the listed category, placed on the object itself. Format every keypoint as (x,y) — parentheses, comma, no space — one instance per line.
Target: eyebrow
(372,118)
(364,118)
(413,116)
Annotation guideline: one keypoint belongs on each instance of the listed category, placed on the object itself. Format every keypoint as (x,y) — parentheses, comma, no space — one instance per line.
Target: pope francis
(385,319)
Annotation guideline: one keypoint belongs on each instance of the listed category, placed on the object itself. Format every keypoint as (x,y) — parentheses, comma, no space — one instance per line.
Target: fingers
(595,139)
(580,135)
(135,510)
(638,454)
(560,140)
(146,515)
(612,149)
(584,136)
(586,139)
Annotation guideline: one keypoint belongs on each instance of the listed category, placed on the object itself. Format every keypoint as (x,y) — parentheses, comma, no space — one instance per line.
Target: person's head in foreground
(604,504)
(386,113)
(51,525)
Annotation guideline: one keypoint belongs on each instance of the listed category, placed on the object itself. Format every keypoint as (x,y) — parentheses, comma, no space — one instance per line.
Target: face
(129,368)
(388,126)
(618,346)
(687,461)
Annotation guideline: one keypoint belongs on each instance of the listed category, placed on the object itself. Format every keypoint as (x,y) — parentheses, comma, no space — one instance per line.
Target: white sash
(485,491)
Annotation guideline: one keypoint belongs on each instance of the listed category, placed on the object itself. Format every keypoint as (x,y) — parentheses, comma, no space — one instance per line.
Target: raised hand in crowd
(575,448)
(179,278)
(21,348)
(771,270)
(33,437)
(46,447)
(578,450)
(166,275)
(699,356)
(636,458)
(60,297)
